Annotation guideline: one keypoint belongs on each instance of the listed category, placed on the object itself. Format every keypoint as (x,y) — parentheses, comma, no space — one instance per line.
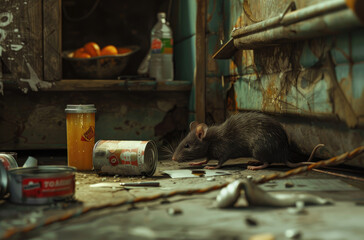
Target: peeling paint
(358,83)
(16,47)
(34,81)
(165,106)
(320,78)
(272,94)
(5,19)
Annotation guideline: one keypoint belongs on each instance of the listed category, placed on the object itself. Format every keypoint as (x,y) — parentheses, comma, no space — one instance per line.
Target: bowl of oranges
(93,62)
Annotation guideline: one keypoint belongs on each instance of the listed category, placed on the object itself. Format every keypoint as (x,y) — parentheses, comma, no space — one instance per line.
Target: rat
(249,134)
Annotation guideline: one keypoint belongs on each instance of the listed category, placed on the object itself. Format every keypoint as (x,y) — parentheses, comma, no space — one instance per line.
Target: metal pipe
(292,17)
(323,25)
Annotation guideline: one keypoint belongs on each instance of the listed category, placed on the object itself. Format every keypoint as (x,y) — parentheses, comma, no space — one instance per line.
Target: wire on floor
(79,211)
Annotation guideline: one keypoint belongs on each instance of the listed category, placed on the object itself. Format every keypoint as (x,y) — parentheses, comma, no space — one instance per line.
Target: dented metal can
(41,185)
(7,161)
(126,158)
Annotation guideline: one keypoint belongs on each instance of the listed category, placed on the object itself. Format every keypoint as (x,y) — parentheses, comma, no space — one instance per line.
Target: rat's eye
(187,145)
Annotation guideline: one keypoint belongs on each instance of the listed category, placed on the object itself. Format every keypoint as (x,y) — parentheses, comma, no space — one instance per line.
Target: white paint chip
(5,19)
(34,81)
(16,47)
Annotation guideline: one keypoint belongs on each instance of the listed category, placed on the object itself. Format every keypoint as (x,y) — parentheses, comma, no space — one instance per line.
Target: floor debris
(308,185)
(293,234)
(140,184)
(188,215)
(256,196)
(187,173)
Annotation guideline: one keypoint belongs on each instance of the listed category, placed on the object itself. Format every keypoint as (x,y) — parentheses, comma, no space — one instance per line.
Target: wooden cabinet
(33,34)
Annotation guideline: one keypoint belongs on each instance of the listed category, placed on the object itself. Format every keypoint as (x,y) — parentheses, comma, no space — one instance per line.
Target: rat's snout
(174,158)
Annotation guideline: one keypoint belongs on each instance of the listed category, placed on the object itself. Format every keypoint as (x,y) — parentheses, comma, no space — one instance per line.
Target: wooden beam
(200,77)
(118,85)
(52,40)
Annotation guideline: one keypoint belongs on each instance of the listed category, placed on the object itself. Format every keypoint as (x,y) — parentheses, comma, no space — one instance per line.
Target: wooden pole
(200,77)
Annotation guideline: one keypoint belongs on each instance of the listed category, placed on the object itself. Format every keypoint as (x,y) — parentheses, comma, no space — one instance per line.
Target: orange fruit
(124,50)
(77,53)
(109,50)
(84,55)
(92,48)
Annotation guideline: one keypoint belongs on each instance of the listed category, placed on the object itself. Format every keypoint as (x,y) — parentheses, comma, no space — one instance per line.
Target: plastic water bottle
(161,59)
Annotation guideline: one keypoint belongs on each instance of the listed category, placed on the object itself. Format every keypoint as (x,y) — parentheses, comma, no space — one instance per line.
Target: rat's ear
(193,125)
(201,131)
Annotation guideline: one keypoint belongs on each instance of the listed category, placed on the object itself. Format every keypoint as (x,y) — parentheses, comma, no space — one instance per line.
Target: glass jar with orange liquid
(80,121)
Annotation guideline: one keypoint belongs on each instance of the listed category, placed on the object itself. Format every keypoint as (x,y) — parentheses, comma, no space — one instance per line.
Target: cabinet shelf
(119,85)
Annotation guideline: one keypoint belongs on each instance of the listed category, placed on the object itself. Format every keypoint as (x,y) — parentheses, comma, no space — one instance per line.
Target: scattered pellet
(174,211)
(263,236)
(251,221)
(293,234)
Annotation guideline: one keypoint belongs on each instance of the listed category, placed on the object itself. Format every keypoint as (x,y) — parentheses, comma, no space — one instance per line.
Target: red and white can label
(48,187)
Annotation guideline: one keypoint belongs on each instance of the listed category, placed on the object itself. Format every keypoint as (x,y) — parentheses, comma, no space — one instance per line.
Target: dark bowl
(101,67)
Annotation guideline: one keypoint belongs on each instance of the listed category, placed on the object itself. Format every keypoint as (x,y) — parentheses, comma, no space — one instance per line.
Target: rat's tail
(294,165)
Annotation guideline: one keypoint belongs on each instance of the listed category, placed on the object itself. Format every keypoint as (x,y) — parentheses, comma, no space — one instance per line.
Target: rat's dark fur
(242,135)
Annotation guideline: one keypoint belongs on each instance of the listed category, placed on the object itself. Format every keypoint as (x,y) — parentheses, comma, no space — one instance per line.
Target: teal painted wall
(185,46)
(291,78)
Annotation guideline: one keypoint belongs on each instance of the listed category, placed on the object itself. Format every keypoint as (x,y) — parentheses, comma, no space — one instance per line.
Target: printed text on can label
(124,156)
(48,187)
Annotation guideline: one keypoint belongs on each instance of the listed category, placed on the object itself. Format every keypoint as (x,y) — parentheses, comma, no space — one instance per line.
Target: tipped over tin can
(125,158)
(41,185)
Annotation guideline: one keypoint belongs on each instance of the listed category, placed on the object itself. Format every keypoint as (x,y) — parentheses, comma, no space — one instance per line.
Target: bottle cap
(84,108)
(161,15)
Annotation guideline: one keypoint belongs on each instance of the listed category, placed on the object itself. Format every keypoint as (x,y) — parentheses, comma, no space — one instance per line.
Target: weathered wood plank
(118,85)
(52,41)
(200,81)
(21,39)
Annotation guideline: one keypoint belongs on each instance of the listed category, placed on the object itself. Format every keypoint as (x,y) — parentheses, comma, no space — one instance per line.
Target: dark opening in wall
(110,22)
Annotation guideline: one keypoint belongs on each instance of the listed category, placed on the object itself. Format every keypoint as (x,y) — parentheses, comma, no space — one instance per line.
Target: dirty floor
(193,216)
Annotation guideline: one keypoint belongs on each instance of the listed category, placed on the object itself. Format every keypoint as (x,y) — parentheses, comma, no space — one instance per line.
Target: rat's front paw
(211,167)
(198,163)
(264,165)
(195,163)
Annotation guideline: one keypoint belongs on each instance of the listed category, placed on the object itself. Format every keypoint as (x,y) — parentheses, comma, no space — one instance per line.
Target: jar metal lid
(80,108)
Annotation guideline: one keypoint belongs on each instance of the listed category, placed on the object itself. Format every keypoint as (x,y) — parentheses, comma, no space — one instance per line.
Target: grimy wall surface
(315,84)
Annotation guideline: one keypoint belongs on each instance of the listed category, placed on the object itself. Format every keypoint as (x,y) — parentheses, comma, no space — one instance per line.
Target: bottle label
(167,45)
(164,45)
(156,45)
(88,135)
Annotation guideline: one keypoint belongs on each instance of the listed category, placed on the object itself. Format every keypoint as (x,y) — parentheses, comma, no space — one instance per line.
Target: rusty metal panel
(320,78)
(348,56)
(297,78)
